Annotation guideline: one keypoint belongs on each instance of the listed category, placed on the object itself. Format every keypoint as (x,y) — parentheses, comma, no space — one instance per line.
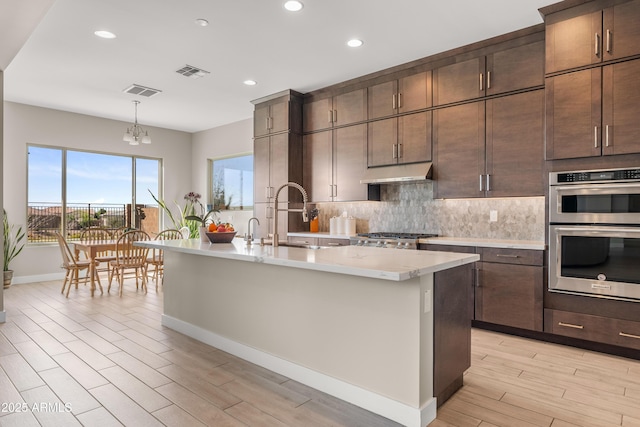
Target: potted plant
(13,245)
(189,214)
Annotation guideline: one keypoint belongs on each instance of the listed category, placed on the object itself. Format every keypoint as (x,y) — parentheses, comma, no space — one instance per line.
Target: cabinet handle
(330,116)
(507,256)
(595,137)
(394,151)
(300,242)
(481,183)
(330,190)
(570,325)
(606,135)
(399,100)
(266,192)
(335,190)
(399,150)
(488,79)
(488,177)
(597,44)
(622,334)
(478,278)
(269,212)
(481,83)
(393,101)
(608,41)
(332,244)
(266,123)
(335,116)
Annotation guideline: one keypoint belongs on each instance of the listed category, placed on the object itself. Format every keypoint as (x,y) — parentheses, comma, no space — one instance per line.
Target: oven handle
(592,228)
(596,187)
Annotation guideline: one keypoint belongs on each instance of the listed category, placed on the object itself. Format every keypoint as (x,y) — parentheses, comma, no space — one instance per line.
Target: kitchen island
(359,323)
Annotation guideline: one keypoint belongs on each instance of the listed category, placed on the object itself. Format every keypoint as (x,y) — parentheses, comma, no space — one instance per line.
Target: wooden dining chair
(130,257)
(100,235)
(73,266)
(157,255)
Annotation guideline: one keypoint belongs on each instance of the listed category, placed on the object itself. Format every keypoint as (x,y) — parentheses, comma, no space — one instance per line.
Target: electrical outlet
(427,301)
(493,216)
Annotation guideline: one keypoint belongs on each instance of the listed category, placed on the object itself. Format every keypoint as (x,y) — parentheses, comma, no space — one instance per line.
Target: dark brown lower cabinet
(509,288)
(607,330)
(452,330)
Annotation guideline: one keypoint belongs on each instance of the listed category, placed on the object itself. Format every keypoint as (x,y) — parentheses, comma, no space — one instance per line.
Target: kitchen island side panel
(368,332)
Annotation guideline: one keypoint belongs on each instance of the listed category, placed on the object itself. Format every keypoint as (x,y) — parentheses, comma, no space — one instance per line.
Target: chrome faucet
(305,216)
(249,236)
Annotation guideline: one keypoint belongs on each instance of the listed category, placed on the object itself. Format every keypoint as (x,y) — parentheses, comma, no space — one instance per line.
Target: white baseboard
(39,278)
(388,408)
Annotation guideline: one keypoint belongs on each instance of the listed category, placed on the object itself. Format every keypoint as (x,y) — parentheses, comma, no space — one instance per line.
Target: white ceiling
(64,66)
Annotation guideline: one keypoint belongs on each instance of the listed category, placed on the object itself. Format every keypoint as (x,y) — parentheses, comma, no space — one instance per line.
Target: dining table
(92,249)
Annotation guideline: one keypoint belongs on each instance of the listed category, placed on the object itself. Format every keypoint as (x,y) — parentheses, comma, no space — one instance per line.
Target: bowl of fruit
(221,233)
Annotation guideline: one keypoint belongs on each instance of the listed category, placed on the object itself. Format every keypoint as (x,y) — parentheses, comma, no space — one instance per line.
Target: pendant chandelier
(135,134)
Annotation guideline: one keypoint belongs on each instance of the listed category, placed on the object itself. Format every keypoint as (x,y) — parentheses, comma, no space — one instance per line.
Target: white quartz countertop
(487,243)
(379,263)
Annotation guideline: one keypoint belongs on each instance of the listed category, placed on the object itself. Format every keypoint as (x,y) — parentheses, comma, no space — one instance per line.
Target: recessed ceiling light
(250,82)
(293,5)
(104,34)
(202,22)
(355,43)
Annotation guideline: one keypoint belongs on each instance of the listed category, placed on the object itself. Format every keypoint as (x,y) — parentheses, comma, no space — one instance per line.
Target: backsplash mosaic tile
(410,207)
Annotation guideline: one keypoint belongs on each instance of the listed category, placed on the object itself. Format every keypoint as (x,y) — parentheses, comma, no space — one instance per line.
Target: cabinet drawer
(447,248)
(325,241)
(583,326)
(511,256)
(297,240)
(628,334)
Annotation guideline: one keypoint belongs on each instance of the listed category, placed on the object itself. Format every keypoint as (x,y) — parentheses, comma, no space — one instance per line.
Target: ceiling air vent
(140,90)
(191,71)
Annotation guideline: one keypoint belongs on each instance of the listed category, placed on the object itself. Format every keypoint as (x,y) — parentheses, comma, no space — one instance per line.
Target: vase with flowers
(193,215)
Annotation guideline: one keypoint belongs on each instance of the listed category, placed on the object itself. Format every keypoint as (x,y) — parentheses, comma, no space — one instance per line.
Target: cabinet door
(414,138)
(621,108)
(261,121)
(317,115)
(517,68)
(318,162)
(381,99)
(279,165)
(459,82)
(574,42)
(350,107)
(349,162)
(458,139)
(414,92)
(510,295)
(573,114)
(381,142)
(261,156)
(621,35)
(515,145)
(279,117)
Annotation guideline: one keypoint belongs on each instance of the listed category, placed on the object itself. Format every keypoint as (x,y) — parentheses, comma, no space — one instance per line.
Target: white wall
(24,124)
(224,141)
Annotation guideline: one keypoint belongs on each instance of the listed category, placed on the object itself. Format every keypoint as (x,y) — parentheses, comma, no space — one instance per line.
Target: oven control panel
(595,176)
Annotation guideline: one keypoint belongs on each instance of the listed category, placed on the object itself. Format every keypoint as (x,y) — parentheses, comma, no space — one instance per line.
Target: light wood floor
(112,363)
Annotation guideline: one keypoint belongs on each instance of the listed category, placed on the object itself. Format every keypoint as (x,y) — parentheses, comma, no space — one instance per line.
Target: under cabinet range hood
(398,173)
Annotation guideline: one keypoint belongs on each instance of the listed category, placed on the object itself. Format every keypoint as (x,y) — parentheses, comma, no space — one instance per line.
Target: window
(232,183)
(91,189)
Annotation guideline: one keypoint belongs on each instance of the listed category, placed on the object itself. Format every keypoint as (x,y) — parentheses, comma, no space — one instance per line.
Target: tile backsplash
(410,207)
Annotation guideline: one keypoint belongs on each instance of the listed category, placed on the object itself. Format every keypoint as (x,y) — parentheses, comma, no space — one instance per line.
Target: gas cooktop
(390,235)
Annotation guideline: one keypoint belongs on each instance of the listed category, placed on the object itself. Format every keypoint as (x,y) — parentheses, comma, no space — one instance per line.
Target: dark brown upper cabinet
(344,109)
(403,95)
(510,69)
(334,162)
(592,37)
(492,148)
(278,115)
(398,140)
(594,112)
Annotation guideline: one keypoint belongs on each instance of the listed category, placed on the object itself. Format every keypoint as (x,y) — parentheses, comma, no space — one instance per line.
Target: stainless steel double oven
(594,233)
